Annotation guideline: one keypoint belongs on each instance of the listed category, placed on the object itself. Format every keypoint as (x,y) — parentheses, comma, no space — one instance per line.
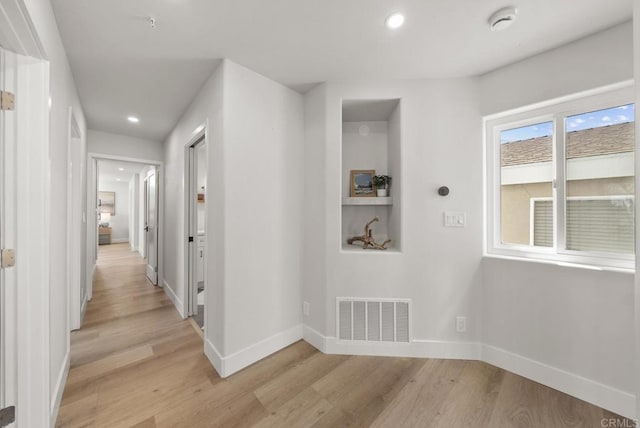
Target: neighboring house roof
(605,140)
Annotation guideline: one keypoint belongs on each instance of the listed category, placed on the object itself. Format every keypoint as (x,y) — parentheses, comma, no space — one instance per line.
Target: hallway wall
(121,145)
(254,130)
(63,96)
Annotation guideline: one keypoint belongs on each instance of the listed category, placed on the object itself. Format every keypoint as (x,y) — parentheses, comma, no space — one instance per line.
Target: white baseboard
(226,366)
(314,338)
(604,396)
(56,398)
(174,299)
(415,349)
(83,310)
(214,357)
(120,240)
(614,400)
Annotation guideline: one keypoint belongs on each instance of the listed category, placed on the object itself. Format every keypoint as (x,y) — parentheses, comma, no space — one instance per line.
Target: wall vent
(373,320)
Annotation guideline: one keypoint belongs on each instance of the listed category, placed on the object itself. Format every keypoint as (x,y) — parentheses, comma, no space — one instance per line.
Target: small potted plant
(382,183)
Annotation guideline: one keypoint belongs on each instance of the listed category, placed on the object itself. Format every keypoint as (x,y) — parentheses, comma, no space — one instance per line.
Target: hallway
(129,338)
(136,363)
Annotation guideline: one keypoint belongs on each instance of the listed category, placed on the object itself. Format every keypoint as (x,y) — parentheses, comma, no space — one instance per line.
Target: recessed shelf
(388,200)
(347,248)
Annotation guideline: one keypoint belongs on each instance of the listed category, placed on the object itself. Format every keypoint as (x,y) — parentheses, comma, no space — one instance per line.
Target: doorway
(125,200)
(196,226)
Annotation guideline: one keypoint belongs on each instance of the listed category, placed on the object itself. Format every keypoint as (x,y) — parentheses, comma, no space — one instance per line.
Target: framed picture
(362,183)
(107,202)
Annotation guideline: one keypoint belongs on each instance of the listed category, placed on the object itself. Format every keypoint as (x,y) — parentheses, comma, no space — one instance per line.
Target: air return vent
(373,320)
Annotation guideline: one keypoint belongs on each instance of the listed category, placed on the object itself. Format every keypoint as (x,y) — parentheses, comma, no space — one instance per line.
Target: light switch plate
(455,219)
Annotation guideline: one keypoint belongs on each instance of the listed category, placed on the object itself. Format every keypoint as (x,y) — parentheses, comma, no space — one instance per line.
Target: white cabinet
(200,259)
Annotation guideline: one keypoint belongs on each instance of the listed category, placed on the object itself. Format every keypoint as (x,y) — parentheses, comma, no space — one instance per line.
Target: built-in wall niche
(371,140)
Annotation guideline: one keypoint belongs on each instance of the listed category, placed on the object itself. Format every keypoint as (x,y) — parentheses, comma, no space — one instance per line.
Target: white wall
(314,258)
(119,222)
(63,95)
(121,145)
(253,274)
(263,137)
(594,61)
(438,268)
(206,109)
(570,319)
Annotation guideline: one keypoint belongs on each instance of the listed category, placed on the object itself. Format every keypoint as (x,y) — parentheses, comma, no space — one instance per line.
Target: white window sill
(561,263)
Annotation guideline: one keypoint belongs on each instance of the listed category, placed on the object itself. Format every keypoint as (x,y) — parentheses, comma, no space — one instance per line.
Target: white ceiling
(123,67)
(110,170)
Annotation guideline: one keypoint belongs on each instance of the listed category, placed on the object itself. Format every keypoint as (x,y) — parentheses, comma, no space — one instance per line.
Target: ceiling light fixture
(120,169)
(133,119)
(503,18)
(395,20)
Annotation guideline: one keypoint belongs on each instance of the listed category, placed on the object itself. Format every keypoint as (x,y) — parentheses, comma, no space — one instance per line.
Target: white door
(151,226)
(8,281)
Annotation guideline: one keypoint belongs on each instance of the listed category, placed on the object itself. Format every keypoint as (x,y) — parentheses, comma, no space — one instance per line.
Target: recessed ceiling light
(503,18)
(133,119)
(117,179)
(120,169)
(394,20)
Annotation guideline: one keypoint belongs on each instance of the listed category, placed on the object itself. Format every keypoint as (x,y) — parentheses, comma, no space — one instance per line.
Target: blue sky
(595,119)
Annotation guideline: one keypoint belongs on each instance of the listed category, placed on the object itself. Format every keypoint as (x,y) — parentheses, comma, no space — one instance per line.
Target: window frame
(555,111)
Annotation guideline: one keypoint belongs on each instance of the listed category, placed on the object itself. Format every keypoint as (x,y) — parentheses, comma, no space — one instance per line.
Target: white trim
(314,338)
(226,366)
(33,238)
(253,353)
(92,227)
(189,248)
(214,357)
(612,399)
(601,395)
(83,309)
(174,299)
(19,34)
(120,241)
(624,85)
(415,349)
(56,398)
(554,110)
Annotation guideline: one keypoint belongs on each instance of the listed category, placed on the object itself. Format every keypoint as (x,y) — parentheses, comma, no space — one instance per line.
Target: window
(561,181)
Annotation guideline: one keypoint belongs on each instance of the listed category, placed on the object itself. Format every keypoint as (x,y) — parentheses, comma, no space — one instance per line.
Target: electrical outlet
(461,324)
(305,308)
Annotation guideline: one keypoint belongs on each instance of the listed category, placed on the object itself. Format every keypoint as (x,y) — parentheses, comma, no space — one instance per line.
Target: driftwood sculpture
(367,240)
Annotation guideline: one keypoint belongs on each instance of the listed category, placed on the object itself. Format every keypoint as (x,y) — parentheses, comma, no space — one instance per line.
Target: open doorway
(196,220)
(127,210)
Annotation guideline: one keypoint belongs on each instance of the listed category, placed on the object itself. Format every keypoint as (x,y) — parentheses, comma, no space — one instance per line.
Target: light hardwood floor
(135,363)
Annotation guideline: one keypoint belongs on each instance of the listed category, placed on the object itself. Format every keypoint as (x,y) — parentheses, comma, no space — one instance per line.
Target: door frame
(76,218)
(147,196)
(92,223)
(189,219)
(29,349)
